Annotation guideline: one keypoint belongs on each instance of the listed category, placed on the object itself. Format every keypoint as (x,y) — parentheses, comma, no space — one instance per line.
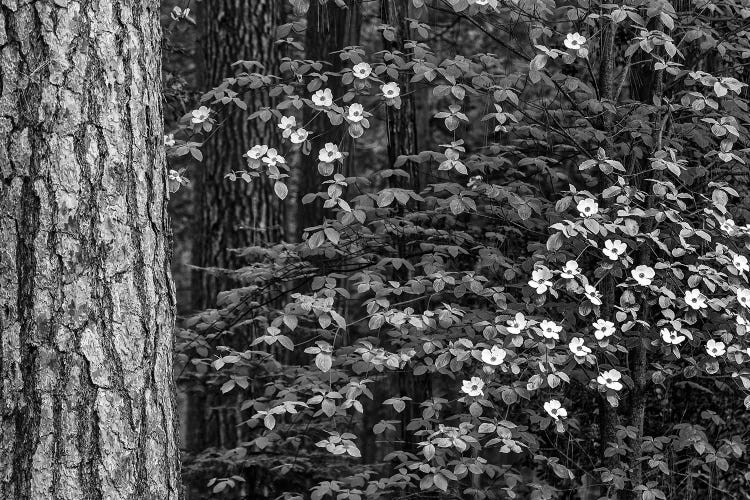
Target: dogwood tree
(562,306)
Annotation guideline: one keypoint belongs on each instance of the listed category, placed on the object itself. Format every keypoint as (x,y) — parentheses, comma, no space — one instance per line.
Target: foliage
(563,306)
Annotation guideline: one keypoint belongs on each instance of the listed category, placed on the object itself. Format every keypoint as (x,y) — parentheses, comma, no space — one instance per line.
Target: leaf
(332,235)
(280,189)
(324,362)
(554,242)
(227,386)
(269,421)
(441,482)
(286,342)
(452,123)
(328,406)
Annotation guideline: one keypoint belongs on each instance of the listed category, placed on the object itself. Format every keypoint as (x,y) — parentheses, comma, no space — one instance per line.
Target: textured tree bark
(86,297)
(234,214)
(230,214)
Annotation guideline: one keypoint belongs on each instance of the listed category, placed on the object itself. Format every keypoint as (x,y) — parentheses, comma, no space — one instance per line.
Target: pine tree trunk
(86,297)
(234,214)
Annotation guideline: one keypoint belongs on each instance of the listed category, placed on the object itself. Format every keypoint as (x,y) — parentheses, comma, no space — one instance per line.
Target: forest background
(518,271)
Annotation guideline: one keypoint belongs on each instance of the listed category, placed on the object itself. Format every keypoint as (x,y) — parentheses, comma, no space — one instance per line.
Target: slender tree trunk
(234,214)
(401,129)
(86,297)
(330,28)
(230,214)
(401,123)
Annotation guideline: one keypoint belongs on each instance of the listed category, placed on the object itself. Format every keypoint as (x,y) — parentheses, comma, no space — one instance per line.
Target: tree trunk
(234,214)
(86,297)
(330,28)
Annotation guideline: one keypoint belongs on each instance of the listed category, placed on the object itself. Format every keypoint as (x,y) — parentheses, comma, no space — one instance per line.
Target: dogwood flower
(587,207)
(473,387)
(540,279)
(323,98)
(272,158)
(299,136)
(614,248)
(743,297)
(169,140)
(494,356)
(361,70)
(728,226)
(671,336)
(329,153)
(603,329)
(200,115)
(571,270)
(390,90)
(286,124)
(610,379)
(555,409)
(715,349)
(577,348)
(516,325)
(695,299)
(550,329)
(740,262)
(355,113)
(593,295)
(643,275)
(257,152)
(574,41)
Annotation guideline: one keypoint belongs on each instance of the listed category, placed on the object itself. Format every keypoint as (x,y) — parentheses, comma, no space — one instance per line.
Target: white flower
(299,136)
(169,140)
(286,124)
(610,379)
(516,325)
(329,153)
(494,356)
(574,41)
(178,13)
(473,387)
(555,409)
(257,152)
(390,90)
(361,70)
(200,115)
(715,349)
(323,98)
(550,329)
(728,226)
(740,262)
(614,248)
(571,270)
(272,158)
(540,280)
(695,299)
(603,329)
(355,113)
(593,295)
(671,336)
(743,297)
(577,348)
(588,207)
(643,275)
(176,180)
